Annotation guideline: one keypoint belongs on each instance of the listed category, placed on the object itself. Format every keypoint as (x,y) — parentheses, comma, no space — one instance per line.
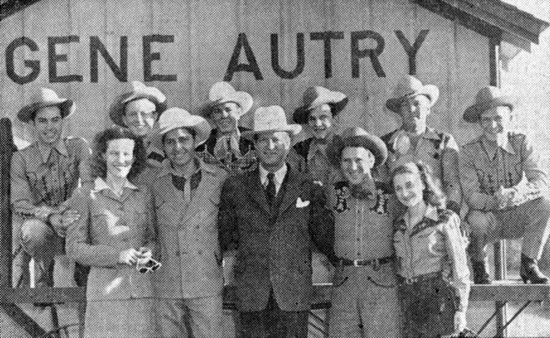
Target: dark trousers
(428,308)
(272,322)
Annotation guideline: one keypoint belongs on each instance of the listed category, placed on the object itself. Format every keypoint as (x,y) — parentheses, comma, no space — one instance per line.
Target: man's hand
(504,196)
(61,222)
(43,212)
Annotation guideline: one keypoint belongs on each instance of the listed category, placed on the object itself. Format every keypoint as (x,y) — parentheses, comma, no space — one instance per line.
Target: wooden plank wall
(205,34)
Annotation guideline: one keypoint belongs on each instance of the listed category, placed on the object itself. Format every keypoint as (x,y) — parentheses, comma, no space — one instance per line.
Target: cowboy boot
(529,271)
(481,272)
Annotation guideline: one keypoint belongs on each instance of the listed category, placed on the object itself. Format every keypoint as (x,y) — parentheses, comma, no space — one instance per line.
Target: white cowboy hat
(137,91)
(45,97)
(410,86)
(174,118)
(222,92)
(316,96)
(271,119)
(486,98)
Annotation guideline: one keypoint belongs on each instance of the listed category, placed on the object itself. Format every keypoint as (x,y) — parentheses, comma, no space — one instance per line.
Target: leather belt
(427,276)
(375,263)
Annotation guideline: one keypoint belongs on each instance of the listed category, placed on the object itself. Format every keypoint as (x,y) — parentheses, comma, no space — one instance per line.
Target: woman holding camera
(115,236)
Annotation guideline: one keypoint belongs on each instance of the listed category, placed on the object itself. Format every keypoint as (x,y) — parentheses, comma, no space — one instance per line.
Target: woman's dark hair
(98,166)
(432,193)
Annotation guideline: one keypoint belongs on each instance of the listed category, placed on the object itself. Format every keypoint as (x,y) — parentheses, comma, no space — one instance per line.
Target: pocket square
(301,204)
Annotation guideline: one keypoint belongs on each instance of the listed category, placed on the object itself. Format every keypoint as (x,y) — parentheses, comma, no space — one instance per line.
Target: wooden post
(6,149)
(500,246)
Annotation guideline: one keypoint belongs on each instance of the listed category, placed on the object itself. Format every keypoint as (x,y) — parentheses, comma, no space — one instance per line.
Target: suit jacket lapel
(292,190)
(256,190)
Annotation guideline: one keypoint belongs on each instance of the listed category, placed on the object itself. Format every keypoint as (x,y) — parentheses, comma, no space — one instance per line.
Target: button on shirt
(486,166)
(279,177)
(435,244)
(363,227)
(43,175)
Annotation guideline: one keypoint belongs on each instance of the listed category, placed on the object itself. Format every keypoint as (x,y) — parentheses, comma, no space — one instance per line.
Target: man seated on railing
(43,176)
(504,187)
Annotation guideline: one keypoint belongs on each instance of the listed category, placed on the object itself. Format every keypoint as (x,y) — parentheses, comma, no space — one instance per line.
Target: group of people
(153,206)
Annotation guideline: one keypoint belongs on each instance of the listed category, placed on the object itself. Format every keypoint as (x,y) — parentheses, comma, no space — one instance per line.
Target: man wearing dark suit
(272,215)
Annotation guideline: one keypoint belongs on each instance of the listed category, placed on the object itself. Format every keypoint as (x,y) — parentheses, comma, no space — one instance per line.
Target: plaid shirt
(42,175)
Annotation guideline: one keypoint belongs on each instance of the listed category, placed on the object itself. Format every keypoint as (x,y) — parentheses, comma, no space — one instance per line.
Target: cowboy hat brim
(292,129)
(27,113)
(473,113)
(116,111)
(243,99)
(198,124)
(338,103)
(370,142)
(431,91)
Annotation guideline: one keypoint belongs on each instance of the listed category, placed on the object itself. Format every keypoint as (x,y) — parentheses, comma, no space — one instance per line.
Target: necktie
(270,188)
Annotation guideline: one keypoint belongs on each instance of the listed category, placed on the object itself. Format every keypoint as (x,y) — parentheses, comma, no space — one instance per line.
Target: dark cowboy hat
(45,97)
(222,92)
(137,91)
(410,86)
(357,137)
(487,97)
(316,96)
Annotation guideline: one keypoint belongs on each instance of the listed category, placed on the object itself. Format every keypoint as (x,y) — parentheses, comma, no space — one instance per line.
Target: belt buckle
(409,281)
(375,264)
(356,263)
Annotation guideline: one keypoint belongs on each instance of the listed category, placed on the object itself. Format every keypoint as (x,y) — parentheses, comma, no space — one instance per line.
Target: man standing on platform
(272,215)
(43,176)
(414,141)
(187,193)
(138,109)
(505,187)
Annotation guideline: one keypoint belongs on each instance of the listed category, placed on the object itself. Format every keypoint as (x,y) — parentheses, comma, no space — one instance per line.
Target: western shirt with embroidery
(363,227)
(235,160)
(435,244)
(485,167)
(437,149)
(42,175)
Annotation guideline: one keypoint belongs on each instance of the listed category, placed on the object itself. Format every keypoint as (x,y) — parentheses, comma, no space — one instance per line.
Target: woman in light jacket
(114,233)
(432,268)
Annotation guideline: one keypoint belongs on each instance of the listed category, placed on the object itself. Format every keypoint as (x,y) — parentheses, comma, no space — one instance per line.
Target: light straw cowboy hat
(45,97)
(410,86)
(357,137)
(222,92)
(271,119)
(174,118)
(137,91)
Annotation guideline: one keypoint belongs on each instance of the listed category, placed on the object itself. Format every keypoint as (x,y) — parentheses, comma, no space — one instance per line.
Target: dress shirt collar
(45,150)
(279,176)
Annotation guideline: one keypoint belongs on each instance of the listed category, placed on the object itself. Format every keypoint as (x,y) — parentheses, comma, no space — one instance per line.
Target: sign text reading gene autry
(243,50)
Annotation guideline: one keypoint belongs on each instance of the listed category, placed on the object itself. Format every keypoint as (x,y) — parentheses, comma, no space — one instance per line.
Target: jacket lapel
(293,190)
(256,190)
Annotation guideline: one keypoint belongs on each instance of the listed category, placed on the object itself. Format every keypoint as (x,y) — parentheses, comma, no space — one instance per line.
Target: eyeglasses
(148,266)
